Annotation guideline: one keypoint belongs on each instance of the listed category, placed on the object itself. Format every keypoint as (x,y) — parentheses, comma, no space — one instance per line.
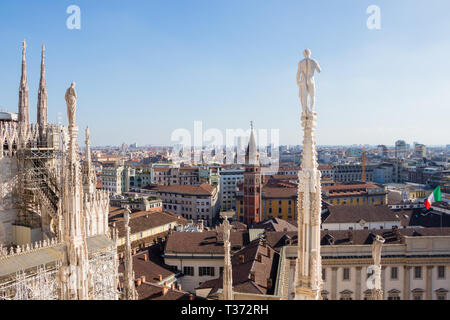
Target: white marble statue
(71,101)
(305,81)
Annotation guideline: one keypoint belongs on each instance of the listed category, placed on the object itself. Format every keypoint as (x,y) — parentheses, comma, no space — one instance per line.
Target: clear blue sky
(146,68)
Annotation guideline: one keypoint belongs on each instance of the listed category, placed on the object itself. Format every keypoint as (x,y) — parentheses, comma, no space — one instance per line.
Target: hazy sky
(146,68)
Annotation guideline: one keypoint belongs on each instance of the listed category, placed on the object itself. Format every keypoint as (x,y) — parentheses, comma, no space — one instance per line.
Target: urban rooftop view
(204,154)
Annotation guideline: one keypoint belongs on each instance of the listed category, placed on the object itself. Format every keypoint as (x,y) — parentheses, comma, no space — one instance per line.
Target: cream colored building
(418,269)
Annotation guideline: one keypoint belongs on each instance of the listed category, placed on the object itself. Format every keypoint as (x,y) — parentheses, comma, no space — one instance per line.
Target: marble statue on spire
(305,81)
(377,245)
(308,274)
(71,101)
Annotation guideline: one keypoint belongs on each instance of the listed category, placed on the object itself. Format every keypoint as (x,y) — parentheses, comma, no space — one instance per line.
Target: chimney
(241,259)
(252,275)
(143,279)
(191,297)
(259,257)
(269,283)
(145,257)
(268,252)
(179,287)
(350,236)
(164,290)
(160,277)
(138,282)
(172,286)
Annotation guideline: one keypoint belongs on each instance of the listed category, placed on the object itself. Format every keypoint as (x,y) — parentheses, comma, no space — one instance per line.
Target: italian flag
(434,197)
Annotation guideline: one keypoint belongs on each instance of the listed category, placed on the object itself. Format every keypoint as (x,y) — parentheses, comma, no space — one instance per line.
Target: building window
(417,272)
(346,295)
(346,274)
(394,294)
(441,272)
(188,271)
(205,271)
(394,273)
(417,294)
(324,274)
(441,294)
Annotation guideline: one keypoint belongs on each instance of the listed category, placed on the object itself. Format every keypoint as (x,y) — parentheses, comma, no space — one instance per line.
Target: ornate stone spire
(227,269)
(24,107)
(75,266)
(129,290)
(308,275)
(42,105)
(89,176)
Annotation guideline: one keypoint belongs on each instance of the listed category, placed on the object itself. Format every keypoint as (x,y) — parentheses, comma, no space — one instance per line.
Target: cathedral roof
(46,255)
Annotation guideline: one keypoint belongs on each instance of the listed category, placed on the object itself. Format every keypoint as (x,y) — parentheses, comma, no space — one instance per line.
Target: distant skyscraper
(400,149)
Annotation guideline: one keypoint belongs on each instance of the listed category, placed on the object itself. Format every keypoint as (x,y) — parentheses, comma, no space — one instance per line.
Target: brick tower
(252,183)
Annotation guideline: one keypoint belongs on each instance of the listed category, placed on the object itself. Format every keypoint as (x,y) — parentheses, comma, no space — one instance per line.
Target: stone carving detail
(305,81)
(227,270)
(308,274)
(377,245)
(71,101)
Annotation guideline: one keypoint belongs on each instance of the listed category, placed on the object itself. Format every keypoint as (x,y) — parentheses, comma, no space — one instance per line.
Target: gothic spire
(23,90)
(42,99)
(252,155)
(129,288)
(227,275)
(89,177)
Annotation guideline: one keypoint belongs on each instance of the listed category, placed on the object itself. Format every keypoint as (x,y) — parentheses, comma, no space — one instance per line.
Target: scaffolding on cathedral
(59,245)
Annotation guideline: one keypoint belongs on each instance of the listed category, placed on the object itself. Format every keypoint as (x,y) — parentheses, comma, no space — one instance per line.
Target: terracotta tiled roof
(352,214)
(277,224)
(276,193)
(145,220)
(148,291)
(344,187)
(152,268)
(203,189)
(203,242)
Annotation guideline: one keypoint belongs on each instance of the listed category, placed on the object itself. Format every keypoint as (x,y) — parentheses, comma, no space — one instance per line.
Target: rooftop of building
(204,189)
(150,291)
(207,242)
(277,240)
(277,225)
(356,214)
(142,220)
(252,267)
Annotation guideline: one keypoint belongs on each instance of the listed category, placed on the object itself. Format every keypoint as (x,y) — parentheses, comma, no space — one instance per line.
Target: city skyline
(171,70)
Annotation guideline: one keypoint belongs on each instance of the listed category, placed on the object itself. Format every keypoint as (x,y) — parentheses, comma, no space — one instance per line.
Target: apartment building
(229,181)
(191,202)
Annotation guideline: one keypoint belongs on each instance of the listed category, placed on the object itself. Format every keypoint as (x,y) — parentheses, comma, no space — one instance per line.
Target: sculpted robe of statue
(305,81)
(71,101)
(376,250)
